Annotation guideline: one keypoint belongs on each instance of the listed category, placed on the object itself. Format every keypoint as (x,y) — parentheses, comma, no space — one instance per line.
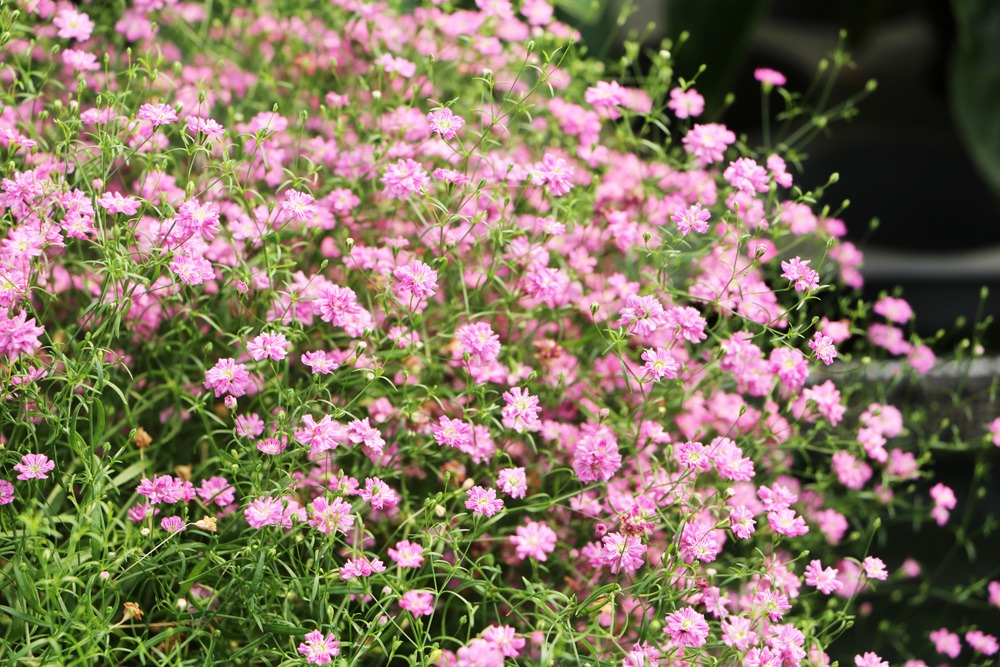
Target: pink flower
(195,217)
(944,502)
(479,341)
(227,377)
(452,433)
(513,482)
(483,502)
(596,456)
(417,279)
(623,553)
(445,123)
(192,270)
(659,364)
(361,567)
(769,77)
(418,602)
(18,334)
(298,205)
(268,346)
(407,554)
(786,522)
(378,493)
(893,309)
(504,638)
(404,179)
(803,278)
(521,411)
(207,126)
(6,492)
(741,522)
(216,490)
(534,540)
(328,518)
(73,24)
(172,524)
(825,580)
(556,173)
(947,643)
(157,114)
(851,472)
(772,603)
(34,466)
(686,104)
(692,218)
(320,362)
(115,202)
(392,64)
(747,176)
(708,142)
(824,348)
(321,436)
(264,512)
(687,628)
(984,643)
(319,650)
(360,432)
(738,633)
(874,568)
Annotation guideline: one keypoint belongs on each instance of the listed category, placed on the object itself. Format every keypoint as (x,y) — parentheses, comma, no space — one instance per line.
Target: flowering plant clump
(342,334)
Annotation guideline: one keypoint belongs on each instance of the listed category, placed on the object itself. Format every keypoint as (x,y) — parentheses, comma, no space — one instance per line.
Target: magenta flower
(404,178)
(407,554)
(445,123)
(319,650)
(157,114)
(264,512)
(623,553)
(73,24)
(513,482)
(803,278)
(34,466)
(556,173)
(597,457)
(361,567)
(378,493)
(769,77)
(172,524)
(982,642)
(521,410)
(268,346)
(708,142)
(874,568)
(741,522)
(869,660)
(692,218)
(328,518)
(687,628)
(479,341)
(686,103)
(659,364)
(299,205)
(6,492)
(483,502)
(227,377)
(18,334)
(417,279)
(115,202)
(534,540)
(825,580)
(418,603)
(824,348)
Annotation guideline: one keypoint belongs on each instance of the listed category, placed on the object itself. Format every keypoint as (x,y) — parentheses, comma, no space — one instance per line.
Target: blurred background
(923,156)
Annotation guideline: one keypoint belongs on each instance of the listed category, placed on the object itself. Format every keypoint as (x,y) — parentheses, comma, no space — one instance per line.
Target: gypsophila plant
(355,334)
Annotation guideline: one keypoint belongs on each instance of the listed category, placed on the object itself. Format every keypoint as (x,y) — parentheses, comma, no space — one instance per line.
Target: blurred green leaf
(975,83)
